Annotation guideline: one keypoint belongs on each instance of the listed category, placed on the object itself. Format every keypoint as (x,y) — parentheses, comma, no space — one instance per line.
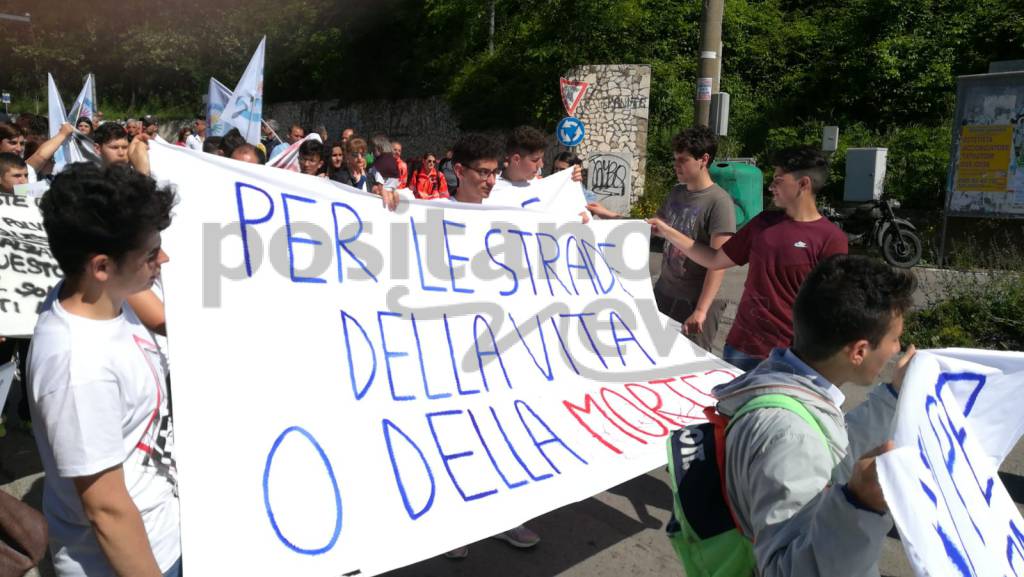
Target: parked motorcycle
(875,224)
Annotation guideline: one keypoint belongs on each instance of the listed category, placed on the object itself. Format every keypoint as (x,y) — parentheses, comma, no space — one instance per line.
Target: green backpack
(703,529)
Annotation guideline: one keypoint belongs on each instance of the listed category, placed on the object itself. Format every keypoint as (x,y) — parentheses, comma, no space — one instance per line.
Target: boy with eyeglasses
(475,158)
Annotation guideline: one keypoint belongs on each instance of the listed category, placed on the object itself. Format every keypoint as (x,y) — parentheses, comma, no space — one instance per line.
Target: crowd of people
(810,319)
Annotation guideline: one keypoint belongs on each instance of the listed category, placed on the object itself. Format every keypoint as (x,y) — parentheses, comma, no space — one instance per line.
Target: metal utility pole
(709,64)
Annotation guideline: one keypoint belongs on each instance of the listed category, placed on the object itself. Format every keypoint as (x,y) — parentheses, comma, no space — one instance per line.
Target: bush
(982,310)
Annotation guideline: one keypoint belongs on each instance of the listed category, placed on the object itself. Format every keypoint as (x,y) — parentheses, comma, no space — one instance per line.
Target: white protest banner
(288,158)
(244,109)
(217,96)
(556,194)
(348,378)
(85,104)
(960,412)
(27,269)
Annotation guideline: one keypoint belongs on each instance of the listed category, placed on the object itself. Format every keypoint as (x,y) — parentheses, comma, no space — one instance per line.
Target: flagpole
(271,130)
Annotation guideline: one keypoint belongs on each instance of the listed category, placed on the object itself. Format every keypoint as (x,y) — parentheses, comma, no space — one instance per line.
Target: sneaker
(521,537)
(460,553)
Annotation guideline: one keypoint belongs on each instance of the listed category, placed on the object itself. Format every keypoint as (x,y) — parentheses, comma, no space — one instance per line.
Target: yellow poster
(984,162)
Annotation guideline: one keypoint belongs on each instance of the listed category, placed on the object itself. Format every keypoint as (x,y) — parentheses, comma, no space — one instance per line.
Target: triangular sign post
(572,94)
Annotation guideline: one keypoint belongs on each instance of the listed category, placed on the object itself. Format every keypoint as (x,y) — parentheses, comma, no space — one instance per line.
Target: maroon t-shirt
(781,251)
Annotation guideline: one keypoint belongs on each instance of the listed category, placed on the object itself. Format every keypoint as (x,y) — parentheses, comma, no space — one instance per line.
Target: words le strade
(347,377)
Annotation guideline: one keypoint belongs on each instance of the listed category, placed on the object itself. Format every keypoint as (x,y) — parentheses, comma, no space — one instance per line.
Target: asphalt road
(619,532)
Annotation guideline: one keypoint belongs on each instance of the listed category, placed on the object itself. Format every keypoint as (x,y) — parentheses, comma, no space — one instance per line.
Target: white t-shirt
(194,142)
(555,195)
(98,397)
(161,341)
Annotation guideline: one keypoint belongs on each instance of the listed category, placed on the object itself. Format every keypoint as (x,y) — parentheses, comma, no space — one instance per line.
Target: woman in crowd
(183,135)
(354,174)
(336,161)
(84,125)
(564,160)
(426,182)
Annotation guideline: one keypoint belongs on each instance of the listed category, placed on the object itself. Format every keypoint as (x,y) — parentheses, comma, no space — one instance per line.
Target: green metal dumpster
(743,182)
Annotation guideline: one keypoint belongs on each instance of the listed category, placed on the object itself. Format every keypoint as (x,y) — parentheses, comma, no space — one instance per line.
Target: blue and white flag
(77,147)
(57,116)
(85,104)
(217,97)
(244,109)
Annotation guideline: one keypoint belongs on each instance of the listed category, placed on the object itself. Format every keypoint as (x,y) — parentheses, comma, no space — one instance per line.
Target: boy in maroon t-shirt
(781,248)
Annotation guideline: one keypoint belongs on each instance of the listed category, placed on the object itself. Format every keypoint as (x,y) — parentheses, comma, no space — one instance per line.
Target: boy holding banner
(476,160)
(98,388)
(524,159)
(809,499)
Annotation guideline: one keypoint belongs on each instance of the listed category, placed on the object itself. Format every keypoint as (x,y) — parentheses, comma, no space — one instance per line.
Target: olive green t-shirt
(700,215)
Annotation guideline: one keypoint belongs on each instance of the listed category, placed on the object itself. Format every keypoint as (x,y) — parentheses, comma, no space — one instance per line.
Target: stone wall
(421,125)
(614,111)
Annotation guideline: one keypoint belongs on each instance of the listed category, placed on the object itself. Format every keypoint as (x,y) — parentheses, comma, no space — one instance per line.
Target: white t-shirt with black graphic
(99,399)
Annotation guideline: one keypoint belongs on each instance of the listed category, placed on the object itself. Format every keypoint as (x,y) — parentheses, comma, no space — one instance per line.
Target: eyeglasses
(431,161)
(484,174)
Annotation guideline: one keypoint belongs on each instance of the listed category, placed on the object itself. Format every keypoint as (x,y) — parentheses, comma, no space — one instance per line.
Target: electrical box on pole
(829,138)
(718,121)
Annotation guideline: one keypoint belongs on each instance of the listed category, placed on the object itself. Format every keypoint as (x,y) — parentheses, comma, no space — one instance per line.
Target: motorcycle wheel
(901,248)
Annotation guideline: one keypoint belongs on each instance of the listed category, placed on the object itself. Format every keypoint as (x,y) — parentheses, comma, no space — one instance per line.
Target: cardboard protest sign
(960,412)
(27,269)
(347,378)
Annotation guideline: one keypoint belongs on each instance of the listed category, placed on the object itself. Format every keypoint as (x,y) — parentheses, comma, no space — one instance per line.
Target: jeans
(739,359)
(175,570)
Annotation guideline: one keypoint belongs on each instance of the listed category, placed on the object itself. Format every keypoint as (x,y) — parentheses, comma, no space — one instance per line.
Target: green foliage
(882,70)
(980,302)
(985,312)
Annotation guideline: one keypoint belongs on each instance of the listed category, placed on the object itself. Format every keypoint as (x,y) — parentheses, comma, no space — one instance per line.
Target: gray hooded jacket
(787,491)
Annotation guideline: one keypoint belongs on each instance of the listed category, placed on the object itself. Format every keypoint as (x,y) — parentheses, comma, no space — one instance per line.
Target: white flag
(55,112)
(244,109)
(217,96)
(85,104)
(77,147)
